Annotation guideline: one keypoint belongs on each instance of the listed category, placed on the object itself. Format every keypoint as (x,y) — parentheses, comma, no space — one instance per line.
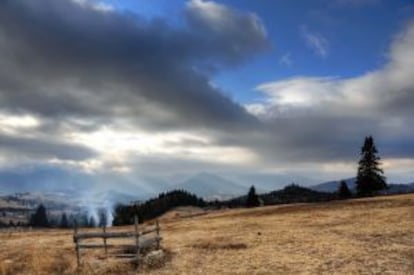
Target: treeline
(124,214)
(290,194)
(40,218)
(12,223)
(296,194)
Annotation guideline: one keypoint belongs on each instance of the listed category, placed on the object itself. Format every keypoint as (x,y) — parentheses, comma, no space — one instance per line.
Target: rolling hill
(332,186)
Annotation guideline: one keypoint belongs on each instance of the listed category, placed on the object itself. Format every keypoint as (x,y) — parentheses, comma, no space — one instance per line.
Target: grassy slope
(359,236)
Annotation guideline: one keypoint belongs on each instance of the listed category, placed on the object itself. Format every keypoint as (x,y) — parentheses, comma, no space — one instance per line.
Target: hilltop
(372,235)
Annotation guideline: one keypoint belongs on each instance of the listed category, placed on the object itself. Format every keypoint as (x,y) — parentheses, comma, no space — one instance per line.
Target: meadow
(359,236)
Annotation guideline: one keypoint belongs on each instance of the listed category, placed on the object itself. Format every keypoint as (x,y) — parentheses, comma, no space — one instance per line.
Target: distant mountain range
(400,188)
(54,186)
(332,186)
(70,187)
(211,186)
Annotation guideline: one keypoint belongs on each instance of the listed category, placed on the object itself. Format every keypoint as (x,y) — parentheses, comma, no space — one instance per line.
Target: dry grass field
(363,236)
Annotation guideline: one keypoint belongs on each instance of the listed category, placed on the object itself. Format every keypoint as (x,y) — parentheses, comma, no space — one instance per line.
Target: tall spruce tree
(92,222)
(343,190)
(64,223)
(370,177)
(252,198)
(39,218)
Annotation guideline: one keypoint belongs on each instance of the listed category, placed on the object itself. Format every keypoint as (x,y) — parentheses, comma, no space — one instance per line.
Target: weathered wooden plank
(92,246)
(137,239)
(134,256)
(149,230)
(107,235)
(76,243)
(104,239)
(121,251)
(91,235)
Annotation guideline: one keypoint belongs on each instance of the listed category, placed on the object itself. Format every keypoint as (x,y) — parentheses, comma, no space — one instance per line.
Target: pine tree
(370,177)
(39,218)
(91,222)
(343,190)
(102,219)
(252,198)
(64,221)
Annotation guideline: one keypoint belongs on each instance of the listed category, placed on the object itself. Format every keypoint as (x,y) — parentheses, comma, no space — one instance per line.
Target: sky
(137,90)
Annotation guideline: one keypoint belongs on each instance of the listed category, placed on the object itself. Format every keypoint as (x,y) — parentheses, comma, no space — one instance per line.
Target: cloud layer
(85,86)
(62,58)
(77,67)
(324,118)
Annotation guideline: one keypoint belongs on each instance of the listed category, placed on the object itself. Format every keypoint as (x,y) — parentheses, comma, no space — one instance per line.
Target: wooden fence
(146,238)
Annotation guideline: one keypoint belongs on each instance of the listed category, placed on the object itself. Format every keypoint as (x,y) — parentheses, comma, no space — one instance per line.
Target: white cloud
(317,42)
(327,117)
(119,146)
(11,123)
(365,95)
(300,91)
(95,5)
(222,18)
(286,60)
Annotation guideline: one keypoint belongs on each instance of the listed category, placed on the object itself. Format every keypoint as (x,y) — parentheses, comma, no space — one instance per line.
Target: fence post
(104,239)
(141,241)
(137,238)
(157,224)
(76,240)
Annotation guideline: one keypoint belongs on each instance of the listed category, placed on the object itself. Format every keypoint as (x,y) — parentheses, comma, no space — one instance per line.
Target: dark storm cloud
(400,102)
(43,149)
(304,139)
(77,68)
(231,34)
(60,58)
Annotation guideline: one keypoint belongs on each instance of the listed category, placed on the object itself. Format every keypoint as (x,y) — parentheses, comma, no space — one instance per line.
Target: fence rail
(143,239)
